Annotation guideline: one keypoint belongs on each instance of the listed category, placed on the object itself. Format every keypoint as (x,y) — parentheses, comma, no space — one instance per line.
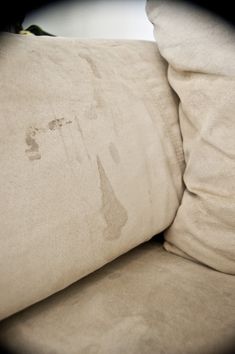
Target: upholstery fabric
(200,52)
(146,301)
(91,159)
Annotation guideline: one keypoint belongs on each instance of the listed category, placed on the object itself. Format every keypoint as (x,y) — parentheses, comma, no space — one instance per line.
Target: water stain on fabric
(56,123)
(99,98)
(114,213)
(79,127)
(30,139)
(91,64)
(114,153)
(97,104)
(33,148)
(82,136)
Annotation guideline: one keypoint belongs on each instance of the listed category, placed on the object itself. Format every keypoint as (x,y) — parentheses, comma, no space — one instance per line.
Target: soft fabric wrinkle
(114,213)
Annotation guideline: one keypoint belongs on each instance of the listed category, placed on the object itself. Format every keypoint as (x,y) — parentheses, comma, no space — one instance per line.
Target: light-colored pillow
(200,51)
(91,159)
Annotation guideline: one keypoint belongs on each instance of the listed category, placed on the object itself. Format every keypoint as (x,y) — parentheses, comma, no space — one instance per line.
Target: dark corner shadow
(159,238)
(4,350)
(228,348)
(224,9)
(12,13)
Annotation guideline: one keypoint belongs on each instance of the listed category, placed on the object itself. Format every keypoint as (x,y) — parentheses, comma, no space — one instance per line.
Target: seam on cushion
(175,138)
(174,144)
(177,141)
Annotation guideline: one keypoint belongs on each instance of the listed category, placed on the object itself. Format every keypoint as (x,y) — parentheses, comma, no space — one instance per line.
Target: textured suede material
(91,159)
(200,51)
(147,301)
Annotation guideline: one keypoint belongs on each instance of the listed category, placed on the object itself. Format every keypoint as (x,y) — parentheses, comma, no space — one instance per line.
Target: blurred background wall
(94,19)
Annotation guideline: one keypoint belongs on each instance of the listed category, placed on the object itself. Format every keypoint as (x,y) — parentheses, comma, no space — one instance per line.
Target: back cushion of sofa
(200,51)
(91,159)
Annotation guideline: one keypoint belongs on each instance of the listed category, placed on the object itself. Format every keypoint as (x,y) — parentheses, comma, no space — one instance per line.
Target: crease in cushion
(91,159)
(200,51)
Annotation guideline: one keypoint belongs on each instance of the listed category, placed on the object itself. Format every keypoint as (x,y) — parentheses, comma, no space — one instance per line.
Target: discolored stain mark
(97,105)
(79,127)
(30,139)
(66,151)
(114,153)
(33,151)
(82,135)
(56,123)
(99,99)
(114,213)
(91,63)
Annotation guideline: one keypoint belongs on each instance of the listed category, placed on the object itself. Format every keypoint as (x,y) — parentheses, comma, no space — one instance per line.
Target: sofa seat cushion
(146,301)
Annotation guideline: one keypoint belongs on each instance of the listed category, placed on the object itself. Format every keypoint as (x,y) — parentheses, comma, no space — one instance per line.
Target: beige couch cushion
(147,301)
(91,159)
(200,51)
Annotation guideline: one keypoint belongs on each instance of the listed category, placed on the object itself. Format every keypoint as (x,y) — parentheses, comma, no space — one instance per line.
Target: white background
(94,19)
